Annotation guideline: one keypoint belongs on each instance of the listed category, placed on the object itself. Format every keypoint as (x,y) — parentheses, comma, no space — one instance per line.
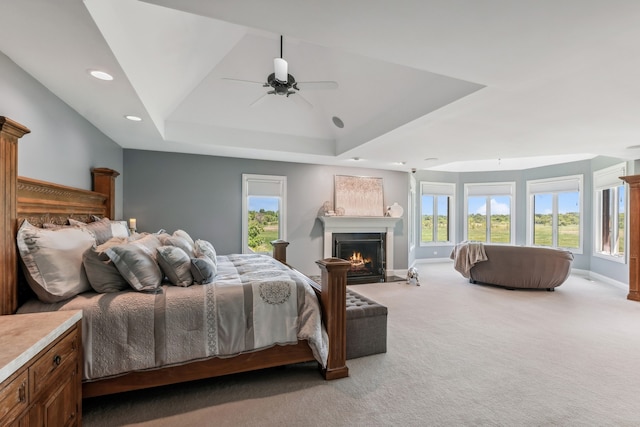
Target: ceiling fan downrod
(281,68)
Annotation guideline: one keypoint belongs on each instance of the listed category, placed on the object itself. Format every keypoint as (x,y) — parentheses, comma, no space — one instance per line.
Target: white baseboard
(430,261)
(591,275)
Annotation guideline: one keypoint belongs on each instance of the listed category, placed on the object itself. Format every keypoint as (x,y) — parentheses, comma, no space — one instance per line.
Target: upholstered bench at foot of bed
(366,326)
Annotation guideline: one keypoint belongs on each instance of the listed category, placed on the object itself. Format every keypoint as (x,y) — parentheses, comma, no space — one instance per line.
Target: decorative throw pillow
(176,265)
(137,266)
(203,270)
(104,229)
(52,260)
(206,249)
(102,273)
(149,243)
(177,241)
(184,235)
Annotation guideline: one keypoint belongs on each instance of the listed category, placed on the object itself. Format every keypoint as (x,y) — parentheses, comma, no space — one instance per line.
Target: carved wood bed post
(334,289)
(634,236)
(10,132)
(280,250)
(104,182)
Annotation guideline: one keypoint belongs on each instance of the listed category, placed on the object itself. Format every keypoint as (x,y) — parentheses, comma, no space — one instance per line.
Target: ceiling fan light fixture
(281,69)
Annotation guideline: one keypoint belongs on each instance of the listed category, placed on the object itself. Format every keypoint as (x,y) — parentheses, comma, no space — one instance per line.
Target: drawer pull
(57,359)
(22,392)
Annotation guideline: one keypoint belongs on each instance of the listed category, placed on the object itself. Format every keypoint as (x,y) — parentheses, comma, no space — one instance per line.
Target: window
(555,212)
(610,200)
(264,201)
(489,208)
(437,218)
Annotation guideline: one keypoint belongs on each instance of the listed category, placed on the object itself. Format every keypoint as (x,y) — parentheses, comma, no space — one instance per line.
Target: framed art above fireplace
(359,195)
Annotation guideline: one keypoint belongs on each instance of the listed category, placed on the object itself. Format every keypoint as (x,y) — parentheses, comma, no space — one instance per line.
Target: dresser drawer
(13,397)
(54,363)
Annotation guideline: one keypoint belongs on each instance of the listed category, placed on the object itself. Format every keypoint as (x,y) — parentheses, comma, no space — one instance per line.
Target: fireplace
(366,253)
(381,227)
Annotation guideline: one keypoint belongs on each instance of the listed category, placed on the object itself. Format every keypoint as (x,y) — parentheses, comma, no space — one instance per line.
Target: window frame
(604,179)
(412,208)
(555,186)
(491,189)
(281,182)
(446,189)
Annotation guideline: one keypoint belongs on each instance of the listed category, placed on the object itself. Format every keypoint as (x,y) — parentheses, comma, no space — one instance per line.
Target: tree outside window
(263,212)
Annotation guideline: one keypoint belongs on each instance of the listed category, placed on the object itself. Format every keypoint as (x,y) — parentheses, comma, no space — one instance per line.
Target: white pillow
(184,235)
(52,260)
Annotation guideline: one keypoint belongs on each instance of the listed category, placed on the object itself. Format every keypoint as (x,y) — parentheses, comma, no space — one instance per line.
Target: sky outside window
(267,203)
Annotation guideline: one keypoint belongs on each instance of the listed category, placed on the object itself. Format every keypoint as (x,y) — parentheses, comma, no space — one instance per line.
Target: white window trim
(602,179)
(281,181)
(491,189)
(411,213)
(554,186)
(445,189)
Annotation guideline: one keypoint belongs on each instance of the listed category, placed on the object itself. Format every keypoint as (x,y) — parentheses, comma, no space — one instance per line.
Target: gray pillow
(104,229)
(178,241)
(203,270)
(137,266)
(176,265)
(102,273)
(202,248)
(52,260)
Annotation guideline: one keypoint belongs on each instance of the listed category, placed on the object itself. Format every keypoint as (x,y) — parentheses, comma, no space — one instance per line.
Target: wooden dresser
(40,369)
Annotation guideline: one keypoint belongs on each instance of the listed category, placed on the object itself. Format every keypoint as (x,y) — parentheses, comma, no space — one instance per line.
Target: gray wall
(203,196)
(62,146)
(585,261)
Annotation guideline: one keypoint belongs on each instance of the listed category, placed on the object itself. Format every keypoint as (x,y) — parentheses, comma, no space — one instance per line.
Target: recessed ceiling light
(133,118)
(356,159)
(399,163)
(633,147)
(430,159)
(338,122)
(101,75)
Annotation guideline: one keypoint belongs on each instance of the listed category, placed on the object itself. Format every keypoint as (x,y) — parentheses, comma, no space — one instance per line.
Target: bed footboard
(333,296)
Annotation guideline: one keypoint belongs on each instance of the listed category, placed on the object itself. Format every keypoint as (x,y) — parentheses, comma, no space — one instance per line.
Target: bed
(41,203)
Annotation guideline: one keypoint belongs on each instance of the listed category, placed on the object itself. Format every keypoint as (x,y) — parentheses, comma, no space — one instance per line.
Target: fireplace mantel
(360,224)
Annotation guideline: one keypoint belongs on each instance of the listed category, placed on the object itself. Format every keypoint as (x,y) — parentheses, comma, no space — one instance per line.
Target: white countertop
(23,336)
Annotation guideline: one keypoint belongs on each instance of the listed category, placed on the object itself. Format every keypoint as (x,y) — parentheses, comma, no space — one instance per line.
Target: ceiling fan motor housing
(281,88)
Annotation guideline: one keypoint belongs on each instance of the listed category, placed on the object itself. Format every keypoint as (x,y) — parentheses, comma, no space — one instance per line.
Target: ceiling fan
(284,84)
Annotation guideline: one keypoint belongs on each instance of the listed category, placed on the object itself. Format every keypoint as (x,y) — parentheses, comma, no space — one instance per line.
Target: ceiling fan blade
(300,100)
(261,99)
(317,85)
(245,81)
(281,69)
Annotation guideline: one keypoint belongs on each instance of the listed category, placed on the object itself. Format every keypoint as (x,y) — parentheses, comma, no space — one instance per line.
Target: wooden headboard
(42,202)
(39,202)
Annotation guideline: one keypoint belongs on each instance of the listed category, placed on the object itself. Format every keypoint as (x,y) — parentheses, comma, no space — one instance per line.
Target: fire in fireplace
(365,252)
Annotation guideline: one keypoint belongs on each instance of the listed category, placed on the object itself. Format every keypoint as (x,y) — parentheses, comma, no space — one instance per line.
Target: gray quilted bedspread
(254,303)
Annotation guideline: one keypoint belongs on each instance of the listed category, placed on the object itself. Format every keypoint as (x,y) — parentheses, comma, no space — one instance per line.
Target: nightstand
(41,369)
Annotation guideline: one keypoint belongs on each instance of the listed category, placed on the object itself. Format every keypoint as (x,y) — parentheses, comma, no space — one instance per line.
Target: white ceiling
(437,84)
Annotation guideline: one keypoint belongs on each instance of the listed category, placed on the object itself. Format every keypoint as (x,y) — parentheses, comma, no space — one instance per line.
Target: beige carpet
(458,355)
